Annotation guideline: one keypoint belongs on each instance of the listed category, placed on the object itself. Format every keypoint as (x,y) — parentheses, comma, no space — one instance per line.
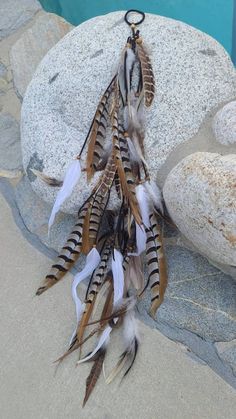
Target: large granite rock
(193,75)
(32,46)
(224,124)
(200,196)
(15,13)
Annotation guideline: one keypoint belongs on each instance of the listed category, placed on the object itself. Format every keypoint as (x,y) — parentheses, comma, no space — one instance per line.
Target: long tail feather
(68,255)
(147,73)
(98,132)
(157,272)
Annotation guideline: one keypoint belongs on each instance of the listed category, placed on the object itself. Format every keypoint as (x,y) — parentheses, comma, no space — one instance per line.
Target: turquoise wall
(212,16)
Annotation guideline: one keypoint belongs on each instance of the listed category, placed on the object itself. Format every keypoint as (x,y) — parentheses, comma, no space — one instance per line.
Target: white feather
(130,59)
(103,340)
(71,178)
(142,198)
(92,261)
(134,156)
(155,194)
(141,238)
(118,275)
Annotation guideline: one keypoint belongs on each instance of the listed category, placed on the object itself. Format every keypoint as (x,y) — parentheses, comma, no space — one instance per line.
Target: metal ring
(134,11)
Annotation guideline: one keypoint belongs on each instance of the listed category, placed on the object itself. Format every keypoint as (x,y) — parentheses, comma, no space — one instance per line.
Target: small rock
(15,13)
(61,100)
(10,149)
(33,44)
(227,352)
(224,124)
(200,194)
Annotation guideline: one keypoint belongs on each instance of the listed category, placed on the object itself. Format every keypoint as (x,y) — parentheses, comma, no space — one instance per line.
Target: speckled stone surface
(15,13)
(193,75)
(224,124)
(200,195)
(10,149)
(32,46)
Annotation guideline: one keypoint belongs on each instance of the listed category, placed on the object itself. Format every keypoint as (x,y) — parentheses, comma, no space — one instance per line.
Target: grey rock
(32,46)
(224,124)
(200,196)
(56,115)
(3,70)
(15,13)
(10,149)
(199,298)
(227,352)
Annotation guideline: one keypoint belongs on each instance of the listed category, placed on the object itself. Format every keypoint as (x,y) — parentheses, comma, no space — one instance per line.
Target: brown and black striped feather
(148,79)
(157,273)
(98,132)
(68,255)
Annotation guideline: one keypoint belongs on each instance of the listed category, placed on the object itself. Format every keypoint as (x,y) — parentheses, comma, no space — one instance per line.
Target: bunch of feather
(117,242)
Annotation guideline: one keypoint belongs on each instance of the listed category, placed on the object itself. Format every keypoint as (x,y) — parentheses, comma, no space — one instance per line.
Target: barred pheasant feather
(117,243)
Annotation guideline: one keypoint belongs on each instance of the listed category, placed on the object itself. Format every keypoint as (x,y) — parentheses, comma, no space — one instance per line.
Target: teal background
(212,16)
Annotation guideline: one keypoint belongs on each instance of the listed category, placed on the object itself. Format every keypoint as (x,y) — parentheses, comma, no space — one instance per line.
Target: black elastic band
(134,11)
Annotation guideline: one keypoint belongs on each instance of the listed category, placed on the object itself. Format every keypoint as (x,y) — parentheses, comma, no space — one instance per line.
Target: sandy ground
(165,382)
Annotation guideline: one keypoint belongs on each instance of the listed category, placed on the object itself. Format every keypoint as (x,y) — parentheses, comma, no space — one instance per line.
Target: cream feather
(118,275)
(143,202)
(140,240)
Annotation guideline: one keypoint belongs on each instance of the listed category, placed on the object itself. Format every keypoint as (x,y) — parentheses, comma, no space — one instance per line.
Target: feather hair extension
(71,179)
(115,238)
